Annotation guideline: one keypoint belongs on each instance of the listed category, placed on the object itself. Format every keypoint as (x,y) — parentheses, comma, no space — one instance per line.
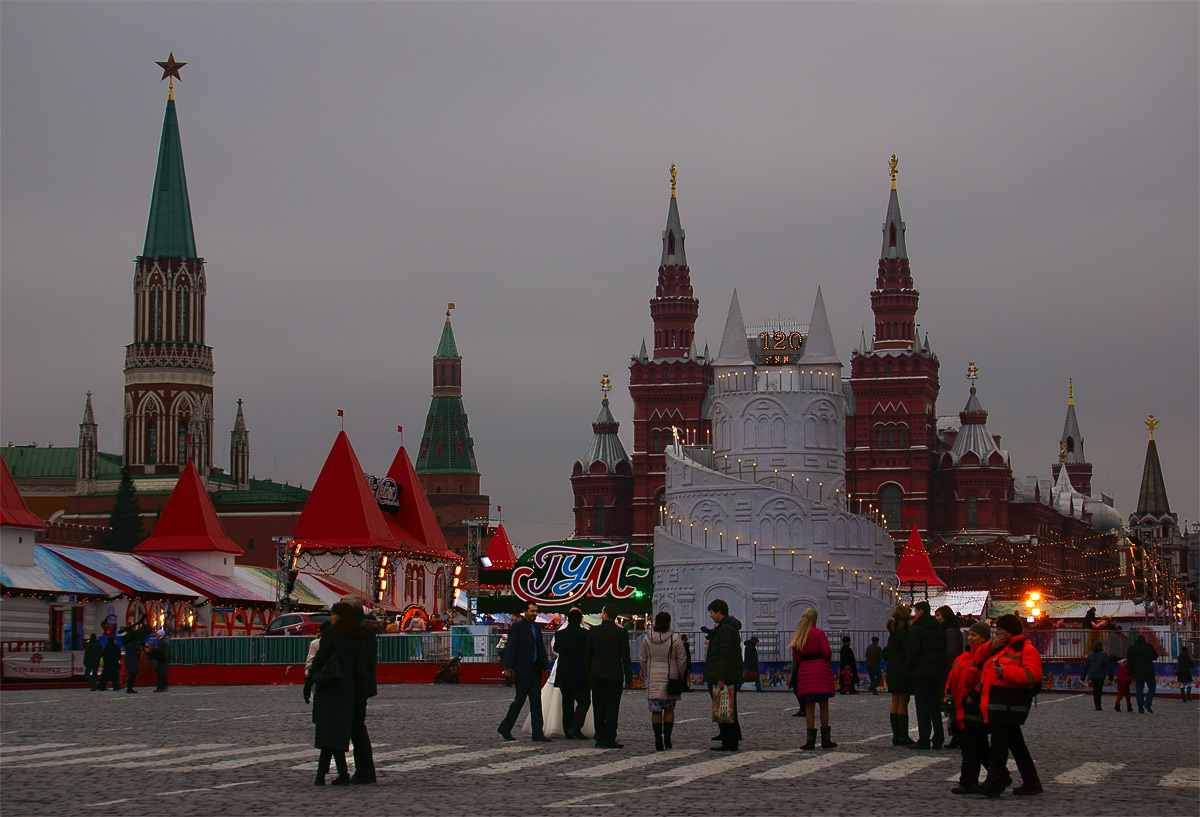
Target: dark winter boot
(902,723)
(1029,785)
(826,740)
(658,736)
(323,767)
(667,727)
(812,740)
(895,729)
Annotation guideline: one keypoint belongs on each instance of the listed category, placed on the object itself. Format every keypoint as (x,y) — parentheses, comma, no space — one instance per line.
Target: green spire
(446,346)
(169,232)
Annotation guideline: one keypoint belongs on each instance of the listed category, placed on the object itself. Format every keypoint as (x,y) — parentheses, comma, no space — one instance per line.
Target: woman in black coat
(898,681)
(333,709)
(571,675)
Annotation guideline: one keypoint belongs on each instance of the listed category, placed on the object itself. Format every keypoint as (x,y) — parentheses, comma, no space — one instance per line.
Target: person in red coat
(1124,683)
(961,690)
(813,676)
(1007,680)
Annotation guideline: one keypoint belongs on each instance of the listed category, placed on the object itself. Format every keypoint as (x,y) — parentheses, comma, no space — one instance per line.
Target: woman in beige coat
(662,659)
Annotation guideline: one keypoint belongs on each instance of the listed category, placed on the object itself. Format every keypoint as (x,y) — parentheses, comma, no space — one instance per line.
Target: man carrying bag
(723,673)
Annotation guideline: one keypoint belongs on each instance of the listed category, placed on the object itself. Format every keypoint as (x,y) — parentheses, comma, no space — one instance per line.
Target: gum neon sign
(555,574)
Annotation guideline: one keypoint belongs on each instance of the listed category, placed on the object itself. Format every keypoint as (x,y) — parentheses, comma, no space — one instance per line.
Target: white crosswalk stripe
(106,760)
(389,755)
(1089,774)
(808,765)
(533,761)
(1012,769)
(900,768)
(86,750)
(446,760)
(1183,777)
(707,768)
(220,753)
(603,769)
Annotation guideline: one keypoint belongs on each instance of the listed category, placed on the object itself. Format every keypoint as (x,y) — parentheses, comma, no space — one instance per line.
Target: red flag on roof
(914,564)
(500,550)
(13,510)
(341,512)
(414,525)
(188,521)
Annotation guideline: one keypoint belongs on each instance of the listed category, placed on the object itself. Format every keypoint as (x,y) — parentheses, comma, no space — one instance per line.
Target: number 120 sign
(557,573)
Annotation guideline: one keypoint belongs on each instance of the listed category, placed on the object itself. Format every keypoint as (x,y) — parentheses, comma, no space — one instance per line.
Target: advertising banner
(55,666)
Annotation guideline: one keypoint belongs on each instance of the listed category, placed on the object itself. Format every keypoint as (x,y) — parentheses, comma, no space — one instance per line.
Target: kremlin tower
(602,482)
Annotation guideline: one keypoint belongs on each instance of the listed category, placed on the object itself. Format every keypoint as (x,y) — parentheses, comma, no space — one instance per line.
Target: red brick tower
(602,482)
(891,430)
(670,388)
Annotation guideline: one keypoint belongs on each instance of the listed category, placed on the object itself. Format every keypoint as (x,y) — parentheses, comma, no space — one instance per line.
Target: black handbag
(329,672)
(675,686)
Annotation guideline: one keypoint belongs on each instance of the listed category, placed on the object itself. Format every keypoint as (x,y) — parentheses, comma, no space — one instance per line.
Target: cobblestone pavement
(247,751)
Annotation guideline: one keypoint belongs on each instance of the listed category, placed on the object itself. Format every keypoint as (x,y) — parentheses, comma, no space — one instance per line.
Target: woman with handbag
(339,675)
(813,659)
(663,669)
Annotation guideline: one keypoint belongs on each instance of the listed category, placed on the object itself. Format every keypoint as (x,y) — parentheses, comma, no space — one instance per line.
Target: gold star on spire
(170,69)
(448,308)
(605,385)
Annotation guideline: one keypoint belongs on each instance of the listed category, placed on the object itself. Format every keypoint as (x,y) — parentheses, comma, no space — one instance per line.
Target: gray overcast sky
(354,166)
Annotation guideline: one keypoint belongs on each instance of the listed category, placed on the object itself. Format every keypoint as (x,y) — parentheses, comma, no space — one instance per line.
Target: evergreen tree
(125,521)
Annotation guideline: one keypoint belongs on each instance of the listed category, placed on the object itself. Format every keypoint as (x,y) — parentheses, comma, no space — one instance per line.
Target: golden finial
(1070,391)
(170,73)
(448,308)
(672,180)
(972,372)
(1062,452)
(1152,423)
(605,385)
(893,164)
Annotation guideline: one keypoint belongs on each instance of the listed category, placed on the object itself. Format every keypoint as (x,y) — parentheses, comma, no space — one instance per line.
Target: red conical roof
(500,551)
(341,512)
(914,564)
(188,521)
(13,510)
(414,525)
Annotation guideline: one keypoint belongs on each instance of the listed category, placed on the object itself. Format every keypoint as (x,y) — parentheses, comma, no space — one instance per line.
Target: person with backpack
(1096,668)
(1009,678)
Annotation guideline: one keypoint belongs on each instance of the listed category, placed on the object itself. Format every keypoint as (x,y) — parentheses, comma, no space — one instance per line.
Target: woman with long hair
(662,657)
(812,657)
(898,681)
(339,674)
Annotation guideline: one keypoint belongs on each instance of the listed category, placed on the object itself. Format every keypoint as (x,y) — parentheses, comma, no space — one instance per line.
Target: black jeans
(606,707)
(1009,738)
(527,687)
(364,758)
(575,703)
(160,671)
(92,674)
(876,676)
(973,741)
(928,695)
(731,733)
(1097,691)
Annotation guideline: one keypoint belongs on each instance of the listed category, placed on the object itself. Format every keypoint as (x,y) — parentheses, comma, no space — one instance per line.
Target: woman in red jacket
(1007,678)
(961,689)
(813,671)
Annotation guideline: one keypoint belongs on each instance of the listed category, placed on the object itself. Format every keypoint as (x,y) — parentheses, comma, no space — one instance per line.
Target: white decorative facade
(760,520)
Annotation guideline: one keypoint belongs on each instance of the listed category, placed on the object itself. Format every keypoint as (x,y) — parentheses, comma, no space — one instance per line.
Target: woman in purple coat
(811,656)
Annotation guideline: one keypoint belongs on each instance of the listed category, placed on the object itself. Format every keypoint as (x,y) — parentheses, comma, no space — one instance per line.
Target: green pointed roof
(446,346)
(1152,499)
(169,231)
(446,444)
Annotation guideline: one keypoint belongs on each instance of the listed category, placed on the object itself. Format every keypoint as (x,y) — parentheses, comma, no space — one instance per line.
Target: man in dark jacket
(847,660)
(160,656)
(112,664)
(92,654)
(364,755)
(133,662)
(723,667)
(524,662)
(874,656)
(687,662)
(750,662)
(606,656)
(1097,668)
(1140,660)
(925,662)
(571,676)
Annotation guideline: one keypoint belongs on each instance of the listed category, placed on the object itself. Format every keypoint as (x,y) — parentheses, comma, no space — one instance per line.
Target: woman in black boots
(898,681)
(339,675)
(662,659)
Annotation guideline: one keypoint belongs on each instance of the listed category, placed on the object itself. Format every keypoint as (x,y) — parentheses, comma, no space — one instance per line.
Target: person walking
(92,653)
(874,656)
(898,681)
(364,755)
(112,665)
(524,663)
(925,661)
(1007,679)
(952,625)
(687,658)
(571,677)
(812,658)
(1141,657)
(1124,684)
(609,669)
(849,662)
(1183,674)
(662,659)
(750,662)
(961,689)
(133,662)
(160,656)
(723,670)
(340,677)
(1096,668)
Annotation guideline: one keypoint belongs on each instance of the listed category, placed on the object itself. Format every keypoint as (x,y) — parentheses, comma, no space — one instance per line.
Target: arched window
(181,315)
(1070,444)
(892,501)
(670,243)
(900,437)
(889,368)
(598,524)
(892,234)
(879,437)
(655,442)
(151,441)
(156,308)
(891,437)
(972,513)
